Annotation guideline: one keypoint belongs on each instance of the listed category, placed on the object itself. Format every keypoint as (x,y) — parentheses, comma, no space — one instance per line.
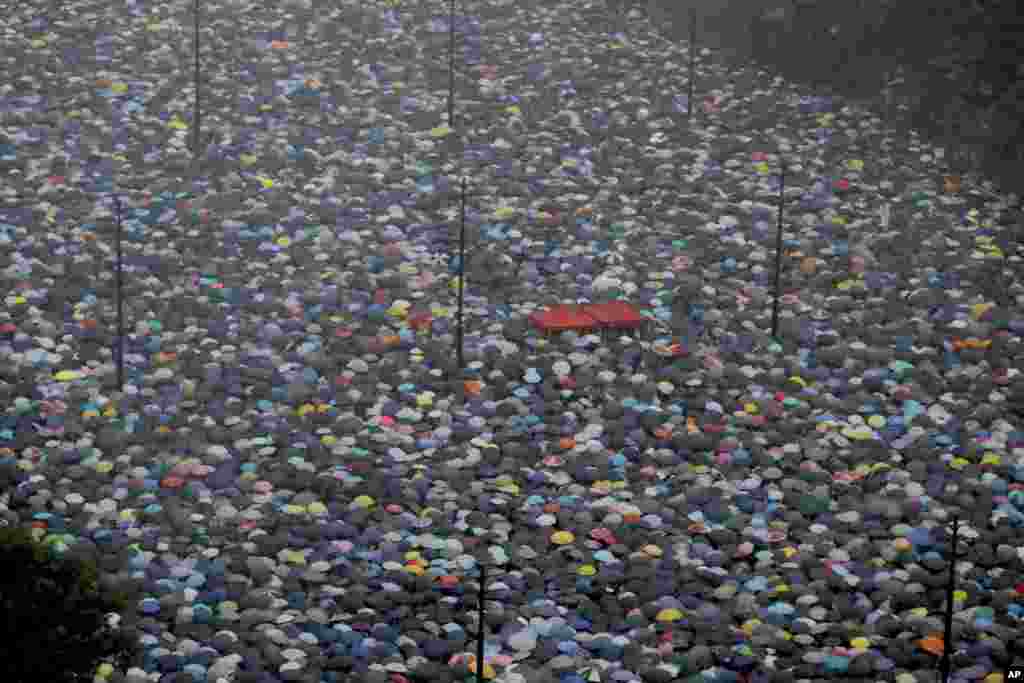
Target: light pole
(451,64)
(945,663)
(459,338)
(481,626)
(693,61)
(119,282)
(778,251)
(195,107)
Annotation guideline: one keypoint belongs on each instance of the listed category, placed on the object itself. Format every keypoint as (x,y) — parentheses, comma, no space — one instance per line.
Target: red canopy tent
(561,318)
(617,315)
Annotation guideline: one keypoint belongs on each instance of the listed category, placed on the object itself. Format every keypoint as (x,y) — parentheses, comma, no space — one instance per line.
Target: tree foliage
(962,74)
(55,621)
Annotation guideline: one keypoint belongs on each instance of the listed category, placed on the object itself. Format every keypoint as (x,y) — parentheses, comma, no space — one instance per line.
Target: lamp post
(195,108)
(778,252)
(693,61)
(459,333)
(119,283)
(481,625)
(460,329)
(451,64)
(945,663)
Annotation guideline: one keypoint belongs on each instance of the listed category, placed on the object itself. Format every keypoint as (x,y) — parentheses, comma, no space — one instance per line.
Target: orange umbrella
(960,344)
(933,644)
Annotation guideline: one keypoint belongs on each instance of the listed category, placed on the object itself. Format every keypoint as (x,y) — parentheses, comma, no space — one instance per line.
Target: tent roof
(563,317)
(614,314)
